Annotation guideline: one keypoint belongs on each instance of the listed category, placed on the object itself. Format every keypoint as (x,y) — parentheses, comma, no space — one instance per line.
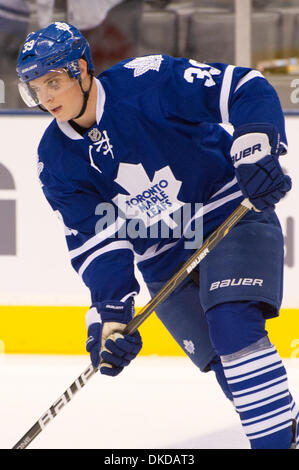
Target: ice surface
(156,403)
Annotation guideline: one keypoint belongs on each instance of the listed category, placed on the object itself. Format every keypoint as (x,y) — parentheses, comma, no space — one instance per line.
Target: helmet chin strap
(85,97)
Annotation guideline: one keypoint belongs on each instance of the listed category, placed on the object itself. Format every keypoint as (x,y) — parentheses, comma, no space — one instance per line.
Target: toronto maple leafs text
(149,208)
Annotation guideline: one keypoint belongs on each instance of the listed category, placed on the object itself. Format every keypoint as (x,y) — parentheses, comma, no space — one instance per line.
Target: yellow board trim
(61,330)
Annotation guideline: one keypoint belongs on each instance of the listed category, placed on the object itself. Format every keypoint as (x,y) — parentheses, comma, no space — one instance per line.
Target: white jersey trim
(130,294)
(151,252)
(68,130)
(224,94)
(249,76)
(212,206)
(225,187)
(98,238)
(285,146)
(117,245)
(100,100)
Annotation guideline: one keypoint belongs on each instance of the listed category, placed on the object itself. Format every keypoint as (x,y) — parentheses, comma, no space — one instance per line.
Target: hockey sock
(258,382)
(254,373)
(217,367)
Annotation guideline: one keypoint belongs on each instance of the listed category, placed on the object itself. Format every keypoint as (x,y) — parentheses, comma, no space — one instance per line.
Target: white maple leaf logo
(62,26)
(150,201)
(141,65)
(189,346)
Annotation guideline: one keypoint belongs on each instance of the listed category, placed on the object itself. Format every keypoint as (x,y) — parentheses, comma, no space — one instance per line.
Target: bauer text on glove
(255,156)
(109,349)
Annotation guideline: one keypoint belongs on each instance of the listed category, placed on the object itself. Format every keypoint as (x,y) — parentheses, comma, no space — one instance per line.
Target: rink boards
(61,330)
(43,301)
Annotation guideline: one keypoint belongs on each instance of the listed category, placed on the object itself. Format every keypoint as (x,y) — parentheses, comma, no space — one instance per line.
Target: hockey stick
(133,325)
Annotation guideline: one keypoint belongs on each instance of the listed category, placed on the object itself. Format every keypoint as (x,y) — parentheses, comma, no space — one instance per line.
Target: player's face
(59,94)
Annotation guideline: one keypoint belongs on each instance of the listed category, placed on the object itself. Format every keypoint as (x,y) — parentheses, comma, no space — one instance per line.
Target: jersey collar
(68,130)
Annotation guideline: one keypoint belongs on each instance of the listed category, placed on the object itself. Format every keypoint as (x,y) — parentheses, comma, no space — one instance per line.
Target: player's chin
(62,119)
(62,116)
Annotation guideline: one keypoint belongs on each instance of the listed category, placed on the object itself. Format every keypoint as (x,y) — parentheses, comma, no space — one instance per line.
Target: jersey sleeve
(104,261)
(219,93)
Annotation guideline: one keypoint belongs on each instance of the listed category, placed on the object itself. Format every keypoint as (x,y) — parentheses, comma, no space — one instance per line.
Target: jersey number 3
(200,71)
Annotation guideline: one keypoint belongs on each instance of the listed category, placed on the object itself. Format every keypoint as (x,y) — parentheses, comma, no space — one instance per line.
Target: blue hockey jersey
(158,149)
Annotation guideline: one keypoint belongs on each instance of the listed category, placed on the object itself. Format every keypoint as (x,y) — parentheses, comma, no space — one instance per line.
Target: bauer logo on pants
(246,281)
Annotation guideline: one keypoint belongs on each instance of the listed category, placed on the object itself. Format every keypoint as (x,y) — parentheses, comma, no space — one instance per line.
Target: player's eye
(53,84)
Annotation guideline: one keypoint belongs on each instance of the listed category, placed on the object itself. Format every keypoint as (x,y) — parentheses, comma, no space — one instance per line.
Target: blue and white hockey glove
(255,153)
(110,350)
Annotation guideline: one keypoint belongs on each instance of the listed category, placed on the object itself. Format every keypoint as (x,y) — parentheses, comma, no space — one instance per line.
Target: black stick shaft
(134,324)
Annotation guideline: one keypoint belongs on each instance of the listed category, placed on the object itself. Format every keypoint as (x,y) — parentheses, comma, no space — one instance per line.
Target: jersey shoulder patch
(134,76)
(142,65)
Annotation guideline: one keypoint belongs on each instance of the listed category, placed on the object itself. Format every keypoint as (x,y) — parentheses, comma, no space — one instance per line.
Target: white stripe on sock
(265,415)
(246,368)
(265,402)
(261,395)
(257,387)
(256,374)
(269,423)
(272,431)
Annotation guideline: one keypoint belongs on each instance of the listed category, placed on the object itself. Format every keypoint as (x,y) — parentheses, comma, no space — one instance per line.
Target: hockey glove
(110,350)
(255,153)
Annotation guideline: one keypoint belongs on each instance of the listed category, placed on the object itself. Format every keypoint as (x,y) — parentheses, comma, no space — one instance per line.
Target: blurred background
(39,291)
(263,34)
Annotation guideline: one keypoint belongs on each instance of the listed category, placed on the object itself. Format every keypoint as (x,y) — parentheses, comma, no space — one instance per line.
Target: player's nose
(45,97)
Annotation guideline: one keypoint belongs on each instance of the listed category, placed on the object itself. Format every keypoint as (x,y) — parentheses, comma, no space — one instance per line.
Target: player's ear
(83,68)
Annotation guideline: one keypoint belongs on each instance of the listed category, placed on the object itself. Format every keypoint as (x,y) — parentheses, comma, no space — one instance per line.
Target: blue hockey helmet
(59,45)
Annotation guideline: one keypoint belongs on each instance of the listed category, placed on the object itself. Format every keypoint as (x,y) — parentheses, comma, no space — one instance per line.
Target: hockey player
(127,152)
